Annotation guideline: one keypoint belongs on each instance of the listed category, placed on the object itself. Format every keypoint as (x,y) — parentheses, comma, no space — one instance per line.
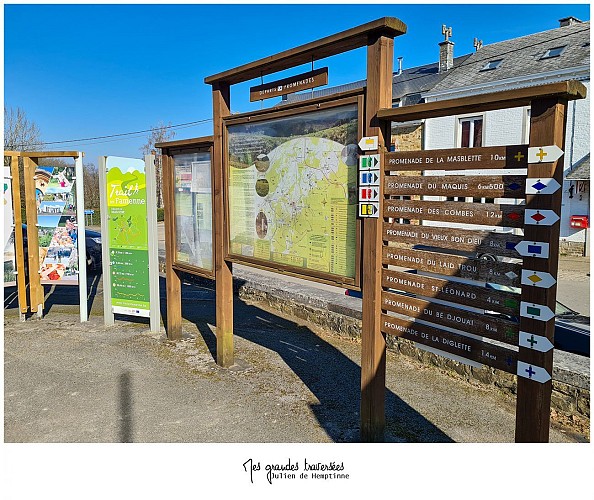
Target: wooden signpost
(466,304)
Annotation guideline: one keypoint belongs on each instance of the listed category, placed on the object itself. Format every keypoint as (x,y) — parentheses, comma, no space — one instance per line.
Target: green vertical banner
(128,236)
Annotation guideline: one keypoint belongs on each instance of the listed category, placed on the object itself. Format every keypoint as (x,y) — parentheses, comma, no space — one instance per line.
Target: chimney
(446,50)
(568,21)
(399,66)
(478,44)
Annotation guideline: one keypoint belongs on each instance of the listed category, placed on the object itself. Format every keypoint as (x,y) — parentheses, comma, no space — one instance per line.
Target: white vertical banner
(153,242)
(82,246)
(108,317)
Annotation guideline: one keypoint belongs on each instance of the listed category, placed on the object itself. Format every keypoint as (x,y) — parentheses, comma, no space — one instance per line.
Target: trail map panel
(293,191)
(128,236)
(9,251)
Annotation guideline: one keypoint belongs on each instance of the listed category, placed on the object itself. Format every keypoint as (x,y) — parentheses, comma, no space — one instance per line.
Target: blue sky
(95,70)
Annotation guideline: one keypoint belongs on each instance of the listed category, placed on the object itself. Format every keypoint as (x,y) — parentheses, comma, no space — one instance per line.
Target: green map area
(297,206)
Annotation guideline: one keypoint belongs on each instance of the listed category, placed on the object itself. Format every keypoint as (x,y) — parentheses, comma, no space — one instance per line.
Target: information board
(128,236)
(292,191)
(192,192)
(55,192)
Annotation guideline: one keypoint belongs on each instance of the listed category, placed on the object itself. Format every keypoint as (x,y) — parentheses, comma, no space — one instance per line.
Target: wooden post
(36,296)
(547,128)
(221,97)
(19,252)
(380,55)
(173,281)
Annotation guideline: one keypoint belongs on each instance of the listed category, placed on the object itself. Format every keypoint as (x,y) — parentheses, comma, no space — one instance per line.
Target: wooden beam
(223,269)
(172,279)
(197,141)
(19,248)
(36,295)
(331,45)
(380,55)
(50,154)
(568,90)
(547,127)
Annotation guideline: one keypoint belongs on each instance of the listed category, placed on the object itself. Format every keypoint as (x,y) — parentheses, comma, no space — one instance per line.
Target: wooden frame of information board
(548,120)
(36,292)
(312,106)
(174,268)
(378,36)
(19,251)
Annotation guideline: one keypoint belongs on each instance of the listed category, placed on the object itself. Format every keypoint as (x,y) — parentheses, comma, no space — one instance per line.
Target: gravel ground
(72,382)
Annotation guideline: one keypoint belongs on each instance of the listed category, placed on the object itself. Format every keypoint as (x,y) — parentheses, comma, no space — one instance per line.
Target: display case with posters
(292,191)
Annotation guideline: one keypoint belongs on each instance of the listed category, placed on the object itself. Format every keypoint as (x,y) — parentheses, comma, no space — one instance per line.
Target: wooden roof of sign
(51,154)
(331,45)
(185,142)
(570,90)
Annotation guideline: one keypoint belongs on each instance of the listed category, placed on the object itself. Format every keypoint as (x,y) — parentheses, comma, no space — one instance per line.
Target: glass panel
(193,209)
(478,133)
(465,143)
(293,191)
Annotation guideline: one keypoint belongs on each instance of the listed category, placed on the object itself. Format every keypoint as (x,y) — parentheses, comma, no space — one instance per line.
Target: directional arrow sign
(541,186)
(369,193)
(369,210)
(532,372)
(369,161)
(544,154)
(540,217)
(536,342)
(369,178)
(533,249)
(536,311)
(537,278)
(369,143)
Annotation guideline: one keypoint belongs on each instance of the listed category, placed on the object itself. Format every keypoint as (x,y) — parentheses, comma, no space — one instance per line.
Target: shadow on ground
(332,377)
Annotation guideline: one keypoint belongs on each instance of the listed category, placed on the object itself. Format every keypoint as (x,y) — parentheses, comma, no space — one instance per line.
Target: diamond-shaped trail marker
(540,217)
(511,275)
(514,186)
(542,186)
(514,216)
(538,279)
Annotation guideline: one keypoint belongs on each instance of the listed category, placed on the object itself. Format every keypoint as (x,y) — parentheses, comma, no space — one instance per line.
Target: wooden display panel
(502,244)
(459,345)
(285,267)
(489,214)
(481,186)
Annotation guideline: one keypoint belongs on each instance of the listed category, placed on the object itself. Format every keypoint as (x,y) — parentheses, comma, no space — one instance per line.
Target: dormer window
(492,65)
(554,52)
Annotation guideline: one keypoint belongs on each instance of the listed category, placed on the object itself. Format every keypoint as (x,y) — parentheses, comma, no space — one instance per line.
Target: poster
(57,224)
(293,190)
(193,210)
(9,256)
(128,236)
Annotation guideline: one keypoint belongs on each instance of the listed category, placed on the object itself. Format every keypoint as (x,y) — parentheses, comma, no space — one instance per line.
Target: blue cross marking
(530,371)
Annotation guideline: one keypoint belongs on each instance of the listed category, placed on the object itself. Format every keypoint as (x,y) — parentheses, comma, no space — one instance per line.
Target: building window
(471,132)
(554,52)
(492,65)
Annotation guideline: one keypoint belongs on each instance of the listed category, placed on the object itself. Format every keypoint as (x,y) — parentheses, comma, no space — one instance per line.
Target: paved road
(72,382)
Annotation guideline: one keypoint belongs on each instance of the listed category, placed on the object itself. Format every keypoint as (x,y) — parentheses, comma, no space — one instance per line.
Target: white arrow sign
(544,154)
(532,372)
(533,249)
(541,186)
(540,217)
(369,210)
(369,193)
(537,278)
(369,143)
(369,161)
(536,311)
(536,342)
